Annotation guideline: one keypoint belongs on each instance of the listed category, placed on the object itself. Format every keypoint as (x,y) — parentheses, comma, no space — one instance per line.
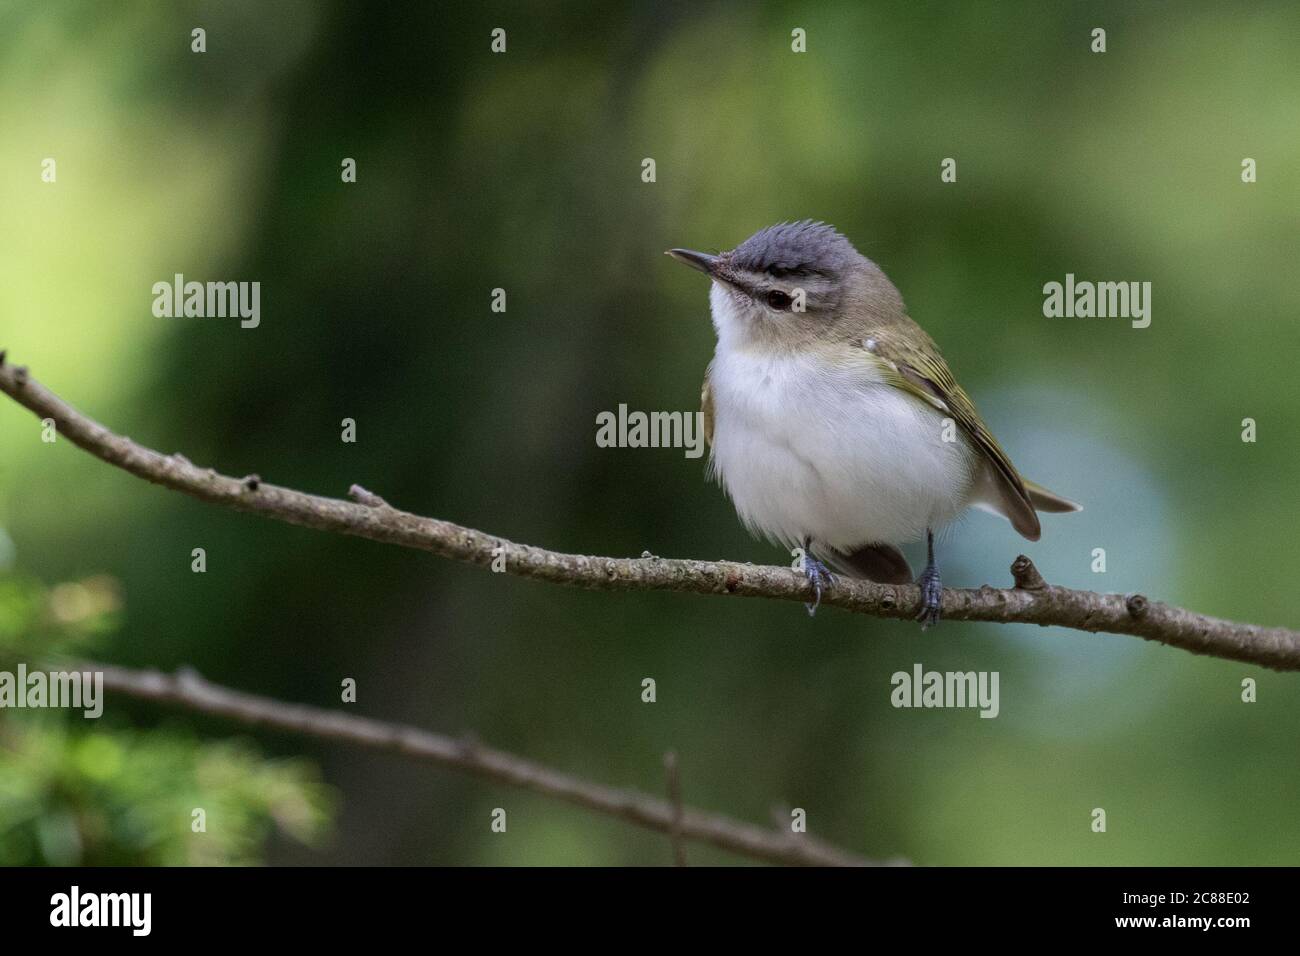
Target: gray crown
(795,248)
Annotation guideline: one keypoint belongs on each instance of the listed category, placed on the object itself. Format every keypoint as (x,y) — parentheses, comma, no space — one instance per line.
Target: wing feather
(911,361)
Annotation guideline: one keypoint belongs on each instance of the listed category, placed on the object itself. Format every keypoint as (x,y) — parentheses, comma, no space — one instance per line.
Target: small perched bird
(833,422)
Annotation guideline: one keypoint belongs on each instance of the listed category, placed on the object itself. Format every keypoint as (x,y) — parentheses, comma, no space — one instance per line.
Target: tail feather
(1044,500)
(881,563)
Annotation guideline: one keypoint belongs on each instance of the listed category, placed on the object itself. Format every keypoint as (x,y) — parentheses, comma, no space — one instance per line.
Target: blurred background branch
(188,689)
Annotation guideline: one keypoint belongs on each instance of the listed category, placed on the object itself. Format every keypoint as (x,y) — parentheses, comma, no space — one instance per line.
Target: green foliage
(82,795)
(74,791)
(36,622)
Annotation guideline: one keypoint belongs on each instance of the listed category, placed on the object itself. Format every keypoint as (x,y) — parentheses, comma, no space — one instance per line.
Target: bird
(834,424)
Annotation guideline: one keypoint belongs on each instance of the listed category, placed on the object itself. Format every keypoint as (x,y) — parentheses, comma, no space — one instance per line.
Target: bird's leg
(816,573)
(931,588)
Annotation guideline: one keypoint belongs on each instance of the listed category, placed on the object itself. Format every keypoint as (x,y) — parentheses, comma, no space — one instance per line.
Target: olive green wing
(911,362)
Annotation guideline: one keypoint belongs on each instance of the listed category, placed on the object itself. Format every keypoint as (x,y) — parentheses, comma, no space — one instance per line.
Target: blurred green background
(523,171)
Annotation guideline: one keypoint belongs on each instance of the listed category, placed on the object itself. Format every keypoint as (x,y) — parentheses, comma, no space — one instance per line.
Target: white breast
(808,450)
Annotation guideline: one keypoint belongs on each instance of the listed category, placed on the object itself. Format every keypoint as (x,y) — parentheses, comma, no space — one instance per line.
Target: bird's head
(789,284)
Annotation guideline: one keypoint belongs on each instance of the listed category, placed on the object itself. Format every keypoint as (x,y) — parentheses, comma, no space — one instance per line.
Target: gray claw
(931,597)
(816,573)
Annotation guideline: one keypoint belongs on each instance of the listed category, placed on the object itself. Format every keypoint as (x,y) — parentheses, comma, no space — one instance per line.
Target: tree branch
(191,691)
(1030,602)
(679,809)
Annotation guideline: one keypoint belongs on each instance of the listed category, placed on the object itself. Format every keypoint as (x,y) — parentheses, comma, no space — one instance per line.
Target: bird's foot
(817,575)
(931,597)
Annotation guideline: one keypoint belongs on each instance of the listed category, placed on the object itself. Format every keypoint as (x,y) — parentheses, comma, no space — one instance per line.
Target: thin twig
(188,689)
(1031,603)
(679,810)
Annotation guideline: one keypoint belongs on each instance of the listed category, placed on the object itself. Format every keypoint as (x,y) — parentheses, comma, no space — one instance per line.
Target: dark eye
(778,300)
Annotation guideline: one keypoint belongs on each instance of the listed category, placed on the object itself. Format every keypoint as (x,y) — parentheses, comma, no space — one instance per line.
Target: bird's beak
(696,260)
